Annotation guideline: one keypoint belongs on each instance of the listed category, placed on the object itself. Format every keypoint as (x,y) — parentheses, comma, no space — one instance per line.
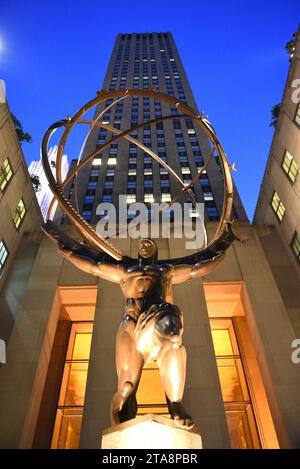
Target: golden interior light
(72,392)
(236,397)
(150,395)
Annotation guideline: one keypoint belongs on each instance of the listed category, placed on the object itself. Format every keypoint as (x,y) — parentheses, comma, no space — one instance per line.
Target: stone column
(102,377)
(22,378)
(272,334)
(202,397)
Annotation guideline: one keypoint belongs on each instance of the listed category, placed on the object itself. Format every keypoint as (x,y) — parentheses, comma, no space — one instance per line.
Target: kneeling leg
(172,366)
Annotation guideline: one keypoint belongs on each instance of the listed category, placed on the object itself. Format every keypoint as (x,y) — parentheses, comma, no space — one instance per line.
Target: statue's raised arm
(203,262)
(84,257)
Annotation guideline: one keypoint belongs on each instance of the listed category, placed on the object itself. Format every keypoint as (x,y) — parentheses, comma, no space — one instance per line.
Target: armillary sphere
(87,232)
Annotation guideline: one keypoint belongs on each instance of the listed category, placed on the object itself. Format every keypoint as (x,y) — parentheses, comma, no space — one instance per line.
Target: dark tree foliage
(275,114)
(22,136)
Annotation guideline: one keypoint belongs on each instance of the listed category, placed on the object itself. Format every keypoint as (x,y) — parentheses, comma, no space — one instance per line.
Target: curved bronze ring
(57,185)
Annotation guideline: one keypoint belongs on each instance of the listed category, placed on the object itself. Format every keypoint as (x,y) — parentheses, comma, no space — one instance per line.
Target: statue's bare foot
(180,416)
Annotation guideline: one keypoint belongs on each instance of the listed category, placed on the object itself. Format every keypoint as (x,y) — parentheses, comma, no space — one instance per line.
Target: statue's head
(148,251)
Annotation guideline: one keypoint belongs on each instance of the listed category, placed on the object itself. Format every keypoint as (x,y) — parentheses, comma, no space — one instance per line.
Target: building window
(112,161)
(150,395)
(3,255)
(297,115)
(87,214)
(236,396)
(107,198)
(19,214)
(5,174)
(166,197)
(278,206)
(89,199)
(212,213)
(295,245)
(131,198)
(71,399)
(290,166)
(149,198)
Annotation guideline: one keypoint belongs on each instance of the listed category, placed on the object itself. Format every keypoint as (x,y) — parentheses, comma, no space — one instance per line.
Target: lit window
(5,174)
(150,395)
(132,172)
(236,396)
(148,198)
(278,206)
(131,198)
(112,161)
(295,245)
(166,197)
(3,255)
(193,213)
(290,166)
(208,196)
(19,214)
(185,170)
(96,162)
(71,399)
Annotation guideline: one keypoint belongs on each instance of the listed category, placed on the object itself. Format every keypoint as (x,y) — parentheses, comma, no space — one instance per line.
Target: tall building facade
(149,61)
(18,207)
(279,199)
(43,193)
(242,383)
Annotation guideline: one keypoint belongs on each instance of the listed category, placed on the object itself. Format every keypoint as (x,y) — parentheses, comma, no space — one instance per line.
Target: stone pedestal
(150,432)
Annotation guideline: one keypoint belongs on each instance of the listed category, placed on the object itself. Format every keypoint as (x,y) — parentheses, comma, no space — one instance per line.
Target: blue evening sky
(53,56)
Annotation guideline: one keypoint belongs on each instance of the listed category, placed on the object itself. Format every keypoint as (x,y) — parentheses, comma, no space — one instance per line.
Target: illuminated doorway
(68,419)
(236,397)
(246,406)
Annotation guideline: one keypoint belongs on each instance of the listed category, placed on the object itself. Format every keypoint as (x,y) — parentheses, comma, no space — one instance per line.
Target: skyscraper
(44,194)
(149,61)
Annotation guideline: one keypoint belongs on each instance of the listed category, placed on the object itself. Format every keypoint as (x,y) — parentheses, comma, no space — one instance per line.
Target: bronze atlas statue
(151,328)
